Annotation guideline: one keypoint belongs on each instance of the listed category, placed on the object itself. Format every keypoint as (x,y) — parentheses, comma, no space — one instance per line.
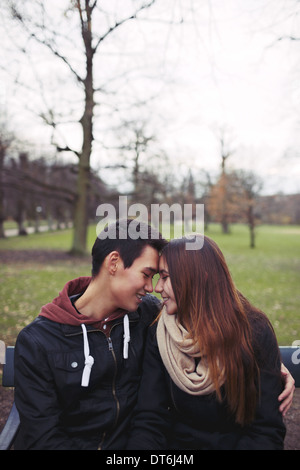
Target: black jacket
(168,418)
(56,412)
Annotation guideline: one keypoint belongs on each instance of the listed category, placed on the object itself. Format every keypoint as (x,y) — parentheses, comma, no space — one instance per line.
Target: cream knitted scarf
(182,357)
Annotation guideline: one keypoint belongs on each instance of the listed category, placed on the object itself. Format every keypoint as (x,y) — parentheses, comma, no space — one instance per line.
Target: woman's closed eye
(163,275)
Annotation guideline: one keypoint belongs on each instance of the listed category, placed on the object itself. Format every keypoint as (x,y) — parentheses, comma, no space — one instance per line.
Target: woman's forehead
(163,266)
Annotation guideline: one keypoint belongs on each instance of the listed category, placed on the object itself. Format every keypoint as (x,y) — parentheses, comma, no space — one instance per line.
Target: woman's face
(164,287)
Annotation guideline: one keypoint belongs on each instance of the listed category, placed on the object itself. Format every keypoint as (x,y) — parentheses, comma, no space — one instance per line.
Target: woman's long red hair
(216,316)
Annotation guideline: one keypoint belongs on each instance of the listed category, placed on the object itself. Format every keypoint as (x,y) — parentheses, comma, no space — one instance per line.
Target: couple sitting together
(106,365)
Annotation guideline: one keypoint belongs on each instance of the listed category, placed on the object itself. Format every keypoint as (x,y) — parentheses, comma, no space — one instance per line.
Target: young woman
(212,364)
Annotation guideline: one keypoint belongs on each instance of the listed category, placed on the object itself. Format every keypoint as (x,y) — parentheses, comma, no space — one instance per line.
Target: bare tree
(141,159)
(248,186)
(223,187)
(3,148)
(6,139)
(40,26)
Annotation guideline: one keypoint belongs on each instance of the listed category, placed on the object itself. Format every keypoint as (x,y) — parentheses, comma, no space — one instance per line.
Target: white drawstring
(126,336)
(89,360)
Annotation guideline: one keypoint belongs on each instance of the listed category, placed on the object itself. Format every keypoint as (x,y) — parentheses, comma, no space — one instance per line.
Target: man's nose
(158,287)
(149,286)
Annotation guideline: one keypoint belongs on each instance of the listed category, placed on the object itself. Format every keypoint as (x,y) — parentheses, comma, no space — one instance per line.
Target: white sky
(223,68)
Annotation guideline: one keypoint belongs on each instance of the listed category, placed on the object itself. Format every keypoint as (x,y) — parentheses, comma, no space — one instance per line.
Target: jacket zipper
(111,349)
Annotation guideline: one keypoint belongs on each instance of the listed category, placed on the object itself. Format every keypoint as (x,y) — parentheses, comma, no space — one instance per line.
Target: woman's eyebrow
(163,271)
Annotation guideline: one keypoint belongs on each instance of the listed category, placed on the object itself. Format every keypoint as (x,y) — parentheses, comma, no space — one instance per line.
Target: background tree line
(42,188)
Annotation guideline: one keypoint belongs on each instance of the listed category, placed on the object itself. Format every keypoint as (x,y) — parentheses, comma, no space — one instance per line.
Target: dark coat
(168,418)
(56,412)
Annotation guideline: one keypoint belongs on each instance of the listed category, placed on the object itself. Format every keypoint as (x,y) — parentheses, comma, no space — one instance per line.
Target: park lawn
(26,286)
(268,275)
(53,240)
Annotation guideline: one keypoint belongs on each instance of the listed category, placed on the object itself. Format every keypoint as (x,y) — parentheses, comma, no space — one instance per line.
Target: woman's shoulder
(264,340)
(260,324)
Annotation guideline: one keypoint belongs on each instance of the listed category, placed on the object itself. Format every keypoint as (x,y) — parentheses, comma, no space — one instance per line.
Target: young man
(78,364)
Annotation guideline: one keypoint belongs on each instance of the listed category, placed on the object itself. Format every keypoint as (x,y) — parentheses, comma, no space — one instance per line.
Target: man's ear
(111,262)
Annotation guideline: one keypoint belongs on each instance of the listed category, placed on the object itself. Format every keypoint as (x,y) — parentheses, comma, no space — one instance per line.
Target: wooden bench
(290,357)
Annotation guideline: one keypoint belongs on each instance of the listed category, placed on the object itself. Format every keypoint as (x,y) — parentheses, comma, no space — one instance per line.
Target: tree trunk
(224,202)
(79,245)
(2,216)
(251,223)
(80,216)
(81,213)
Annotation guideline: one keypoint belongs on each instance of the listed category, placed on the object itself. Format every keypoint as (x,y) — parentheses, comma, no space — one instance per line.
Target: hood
(62,310)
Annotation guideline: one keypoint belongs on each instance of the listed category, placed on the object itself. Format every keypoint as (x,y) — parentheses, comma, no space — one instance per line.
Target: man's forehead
(149,258)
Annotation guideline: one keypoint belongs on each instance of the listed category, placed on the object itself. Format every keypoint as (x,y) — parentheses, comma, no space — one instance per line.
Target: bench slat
(8,379)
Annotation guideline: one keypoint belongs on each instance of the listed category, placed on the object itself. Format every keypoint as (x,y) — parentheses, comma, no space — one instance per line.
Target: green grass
(56,240)
(26,286)
(268,275)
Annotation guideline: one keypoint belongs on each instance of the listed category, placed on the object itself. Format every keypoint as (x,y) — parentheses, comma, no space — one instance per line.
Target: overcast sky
(237,76)
(223,68)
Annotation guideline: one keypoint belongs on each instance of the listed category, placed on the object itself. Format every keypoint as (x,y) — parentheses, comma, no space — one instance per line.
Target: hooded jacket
(76,381)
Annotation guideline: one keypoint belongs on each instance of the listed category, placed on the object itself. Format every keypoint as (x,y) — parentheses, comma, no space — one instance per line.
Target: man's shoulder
(151,302)
(150,307)
(38,327)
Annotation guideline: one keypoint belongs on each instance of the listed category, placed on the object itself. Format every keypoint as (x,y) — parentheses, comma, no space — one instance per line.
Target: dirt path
(292,421)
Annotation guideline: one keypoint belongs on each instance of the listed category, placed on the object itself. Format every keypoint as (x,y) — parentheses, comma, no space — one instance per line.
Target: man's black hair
(129,237)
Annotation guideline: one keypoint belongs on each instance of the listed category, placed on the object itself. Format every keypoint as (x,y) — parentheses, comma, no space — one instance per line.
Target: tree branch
(94,5)
(282,38)
(18,16)
(60,56)
(67,149)
(27,176)
(121,22)
(291,38)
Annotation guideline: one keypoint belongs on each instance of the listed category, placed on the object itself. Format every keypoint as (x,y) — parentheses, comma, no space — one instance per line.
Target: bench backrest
(290,357)
(8,379)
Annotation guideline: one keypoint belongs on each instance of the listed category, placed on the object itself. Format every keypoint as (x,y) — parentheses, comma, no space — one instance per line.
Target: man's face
(131,284)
